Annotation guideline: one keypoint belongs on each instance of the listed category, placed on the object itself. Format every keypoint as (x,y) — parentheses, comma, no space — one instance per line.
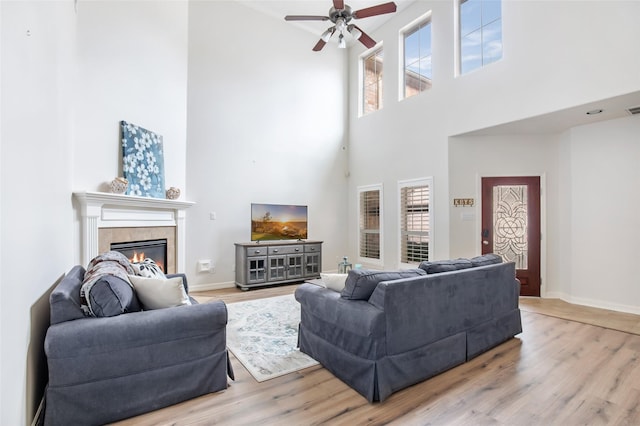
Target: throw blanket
(109,263)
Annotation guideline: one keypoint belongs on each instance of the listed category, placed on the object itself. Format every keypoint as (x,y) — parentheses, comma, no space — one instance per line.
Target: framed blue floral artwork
(142,161)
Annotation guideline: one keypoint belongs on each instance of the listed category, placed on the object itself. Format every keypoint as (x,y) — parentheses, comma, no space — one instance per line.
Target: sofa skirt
(111,399)
(377,379)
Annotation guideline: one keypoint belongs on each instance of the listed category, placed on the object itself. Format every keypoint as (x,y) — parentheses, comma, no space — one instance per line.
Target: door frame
(543,220)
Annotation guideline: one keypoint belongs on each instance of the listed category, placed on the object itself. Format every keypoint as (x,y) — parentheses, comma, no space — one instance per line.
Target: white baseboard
(211,286)
(593,303)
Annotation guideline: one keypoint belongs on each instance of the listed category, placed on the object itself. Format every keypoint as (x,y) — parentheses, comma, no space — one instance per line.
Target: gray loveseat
(110,368)
(383,334)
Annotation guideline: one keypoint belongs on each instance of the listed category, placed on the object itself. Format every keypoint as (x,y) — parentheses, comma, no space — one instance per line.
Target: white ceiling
(559,121)
(280,8)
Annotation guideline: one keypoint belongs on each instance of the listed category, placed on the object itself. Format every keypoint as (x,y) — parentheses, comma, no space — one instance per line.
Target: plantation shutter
(370,224)
(414,223)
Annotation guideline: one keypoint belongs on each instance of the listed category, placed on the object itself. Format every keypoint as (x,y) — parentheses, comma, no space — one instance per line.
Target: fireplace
(113,218)
(137,251)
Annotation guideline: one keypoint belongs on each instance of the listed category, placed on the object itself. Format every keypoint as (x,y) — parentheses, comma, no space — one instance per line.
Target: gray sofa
(105,369)
(383,334)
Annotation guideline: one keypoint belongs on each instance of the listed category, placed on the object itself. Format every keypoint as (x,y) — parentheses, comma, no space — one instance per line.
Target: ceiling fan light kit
(341,15)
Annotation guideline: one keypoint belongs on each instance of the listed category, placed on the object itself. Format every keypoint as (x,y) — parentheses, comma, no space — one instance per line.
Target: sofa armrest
(184,280)
(95,335)
(352,325)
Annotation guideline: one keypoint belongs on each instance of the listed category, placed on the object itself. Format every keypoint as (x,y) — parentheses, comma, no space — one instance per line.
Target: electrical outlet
(204,265)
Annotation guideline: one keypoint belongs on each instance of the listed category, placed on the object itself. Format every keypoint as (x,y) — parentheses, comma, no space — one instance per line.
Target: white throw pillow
(158,293)
(334,282)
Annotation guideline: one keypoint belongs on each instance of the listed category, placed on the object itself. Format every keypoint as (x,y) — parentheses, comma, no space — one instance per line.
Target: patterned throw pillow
(148,268)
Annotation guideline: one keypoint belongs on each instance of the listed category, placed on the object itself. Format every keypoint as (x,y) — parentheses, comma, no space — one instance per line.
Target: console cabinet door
(256,269)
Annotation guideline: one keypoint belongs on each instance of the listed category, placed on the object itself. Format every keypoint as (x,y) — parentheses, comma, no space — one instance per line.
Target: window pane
(370,224)
(417,59)
(491,10)
(470,16)
(492,42)
(425,40)
(480,33)
(471,52)
(412,48)
(414,223)
(372,82)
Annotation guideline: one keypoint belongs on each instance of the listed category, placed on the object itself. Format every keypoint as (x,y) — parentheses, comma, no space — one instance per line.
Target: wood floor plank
(559,371)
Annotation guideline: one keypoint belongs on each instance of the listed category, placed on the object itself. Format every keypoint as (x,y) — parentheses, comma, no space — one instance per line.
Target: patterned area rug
(263,335)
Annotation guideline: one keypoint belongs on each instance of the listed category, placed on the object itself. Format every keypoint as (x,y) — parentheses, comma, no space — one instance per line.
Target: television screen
(278,222)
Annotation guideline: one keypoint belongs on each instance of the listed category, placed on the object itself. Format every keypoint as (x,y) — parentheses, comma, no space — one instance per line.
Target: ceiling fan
(341,15)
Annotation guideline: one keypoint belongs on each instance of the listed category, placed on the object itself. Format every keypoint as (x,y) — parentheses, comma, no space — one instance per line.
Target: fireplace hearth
(137,251)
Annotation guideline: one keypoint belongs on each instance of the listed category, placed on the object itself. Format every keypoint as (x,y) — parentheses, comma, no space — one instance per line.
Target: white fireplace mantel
(105,210)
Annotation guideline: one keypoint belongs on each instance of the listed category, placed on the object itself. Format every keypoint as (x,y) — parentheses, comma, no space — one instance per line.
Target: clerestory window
(480,23)
(416,57)
(372,67)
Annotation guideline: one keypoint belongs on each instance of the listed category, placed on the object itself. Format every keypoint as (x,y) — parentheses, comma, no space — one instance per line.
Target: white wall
(266,124)
(69,74)
(553,59)
(604,221)
(37,221)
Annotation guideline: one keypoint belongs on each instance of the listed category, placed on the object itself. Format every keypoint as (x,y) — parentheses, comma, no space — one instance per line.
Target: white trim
(428,181)
(365,260)
(630,309)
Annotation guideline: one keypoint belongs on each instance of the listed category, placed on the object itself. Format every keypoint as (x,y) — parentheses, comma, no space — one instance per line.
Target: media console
(277,262)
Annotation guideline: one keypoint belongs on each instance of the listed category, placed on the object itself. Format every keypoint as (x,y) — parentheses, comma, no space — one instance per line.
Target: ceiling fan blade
(319,45)
(380,9)
(338,4)
(365,39)
(305,18)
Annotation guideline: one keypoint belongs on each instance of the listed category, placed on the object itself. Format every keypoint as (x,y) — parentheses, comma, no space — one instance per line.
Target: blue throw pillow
(445,265)
(486,259)
(111,296)
(360,283)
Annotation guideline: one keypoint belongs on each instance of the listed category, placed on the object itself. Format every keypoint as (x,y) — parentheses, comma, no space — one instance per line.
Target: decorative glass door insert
(510,224)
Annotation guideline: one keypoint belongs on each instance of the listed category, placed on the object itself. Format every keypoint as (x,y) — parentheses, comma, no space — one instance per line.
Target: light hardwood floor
(557,372)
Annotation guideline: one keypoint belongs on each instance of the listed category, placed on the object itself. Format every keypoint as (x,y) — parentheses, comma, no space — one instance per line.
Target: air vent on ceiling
(633,110)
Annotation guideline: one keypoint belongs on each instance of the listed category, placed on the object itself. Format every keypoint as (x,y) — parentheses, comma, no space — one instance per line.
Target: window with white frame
(480,23)
(372,67)
(370,221)
(416,56)
(415,220)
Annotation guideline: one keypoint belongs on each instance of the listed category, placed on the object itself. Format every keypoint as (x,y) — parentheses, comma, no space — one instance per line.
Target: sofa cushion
(335,282)
(111,296)
(438,266)
(486,259)
(361,282)
(158,293)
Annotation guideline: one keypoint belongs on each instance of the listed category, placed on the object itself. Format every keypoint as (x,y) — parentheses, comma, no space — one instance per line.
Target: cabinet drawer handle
(297,249)
(313,248)
(257,252)
(275,250)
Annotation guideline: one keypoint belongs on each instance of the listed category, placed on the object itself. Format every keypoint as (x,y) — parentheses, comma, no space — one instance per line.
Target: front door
(511,226)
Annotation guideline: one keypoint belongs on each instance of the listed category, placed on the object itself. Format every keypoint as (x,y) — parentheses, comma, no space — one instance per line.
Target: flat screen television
(278,222)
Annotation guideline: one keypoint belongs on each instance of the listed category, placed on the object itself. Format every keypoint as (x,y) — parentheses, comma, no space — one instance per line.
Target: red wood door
(511,226)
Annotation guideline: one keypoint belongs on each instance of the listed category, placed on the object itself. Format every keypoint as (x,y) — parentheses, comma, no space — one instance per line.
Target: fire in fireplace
(137,251)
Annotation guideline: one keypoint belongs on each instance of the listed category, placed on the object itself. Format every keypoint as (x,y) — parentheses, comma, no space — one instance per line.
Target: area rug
(263,336)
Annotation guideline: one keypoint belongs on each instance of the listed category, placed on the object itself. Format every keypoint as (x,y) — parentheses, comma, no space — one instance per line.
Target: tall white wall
(553,59)
(266,124)
(69,73)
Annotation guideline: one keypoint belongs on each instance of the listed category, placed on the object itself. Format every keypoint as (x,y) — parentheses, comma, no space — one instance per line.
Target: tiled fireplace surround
(108,218)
